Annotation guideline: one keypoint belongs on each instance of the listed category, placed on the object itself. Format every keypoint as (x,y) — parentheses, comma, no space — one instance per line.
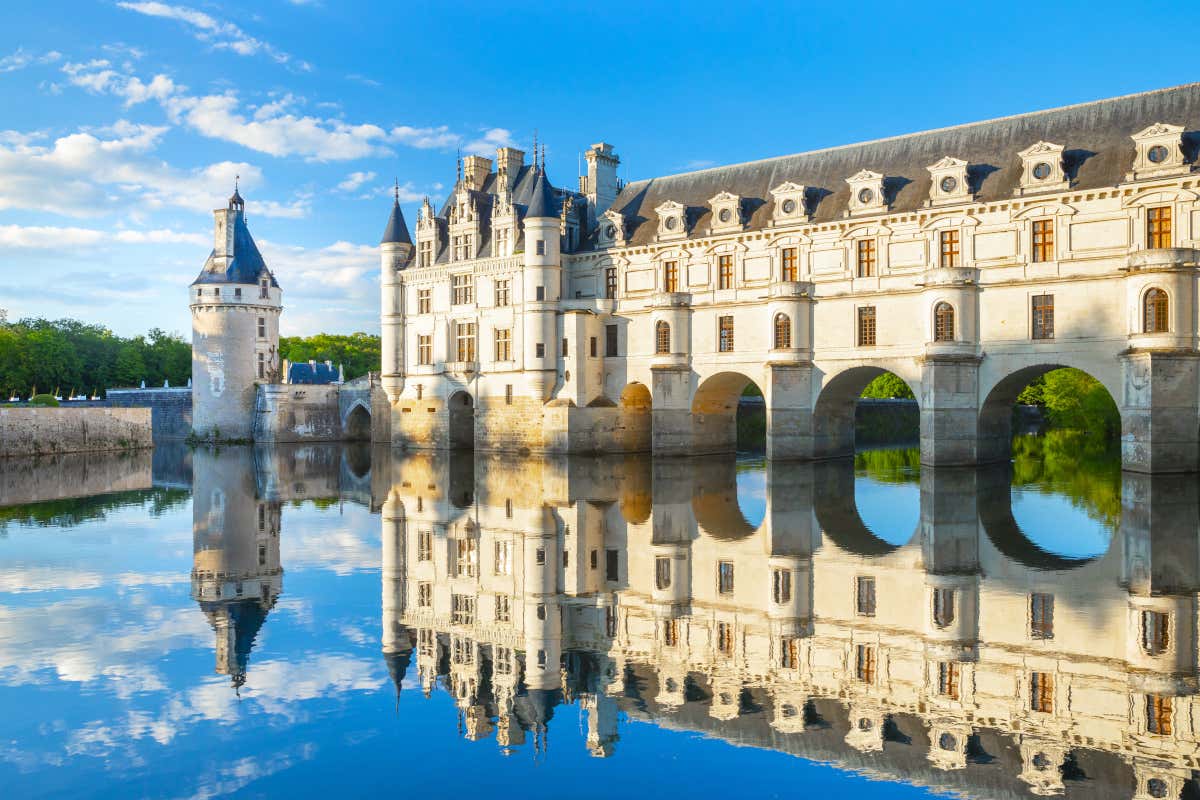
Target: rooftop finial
(535,150)
(458,168)
(396,191)
(236,178)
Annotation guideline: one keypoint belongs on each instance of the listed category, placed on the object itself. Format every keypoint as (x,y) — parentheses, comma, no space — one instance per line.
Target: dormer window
(866,193)
(789,203)
(672,220)
(1158,152)
(264,288)
(949,182)
(1042,169)
(726,212)
(612,228)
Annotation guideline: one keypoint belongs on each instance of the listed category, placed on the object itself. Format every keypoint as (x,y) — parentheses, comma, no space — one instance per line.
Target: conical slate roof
(247,264)
(543,203)
(396,231)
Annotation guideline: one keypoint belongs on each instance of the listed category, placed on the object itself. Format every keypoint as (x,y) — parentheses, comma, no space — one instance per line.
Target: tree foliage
(358,353)
(69,355)
(888,386)
(1074,400)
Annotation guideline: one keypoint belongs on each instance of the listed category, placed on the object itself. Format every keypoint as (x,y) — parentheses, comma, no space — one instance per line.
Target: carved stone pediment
(1042,168)
(866,193)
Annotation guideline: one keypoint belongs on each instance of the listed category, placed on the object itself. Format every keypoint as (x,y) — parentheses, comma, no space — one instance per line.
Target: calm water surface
(326,620)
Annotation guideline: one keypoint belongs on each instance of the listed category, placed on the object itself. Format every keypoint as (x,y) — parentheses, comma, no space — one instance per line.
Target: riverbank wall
(47,431)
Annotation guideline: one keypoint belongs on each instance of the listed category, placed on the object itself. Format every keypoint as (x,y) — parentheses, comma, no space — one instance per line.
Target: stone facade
(46,431)
(968,261)
(42,479)
(170,409)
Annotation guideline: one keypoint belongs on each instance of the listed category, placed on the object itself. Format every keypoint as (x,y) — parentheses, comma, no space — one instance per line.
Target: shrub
(43,400)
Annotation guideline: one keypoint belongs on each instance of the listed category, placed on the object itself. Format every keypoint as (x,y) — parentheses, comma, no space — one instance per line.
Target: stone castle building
(967,260)
(242,389)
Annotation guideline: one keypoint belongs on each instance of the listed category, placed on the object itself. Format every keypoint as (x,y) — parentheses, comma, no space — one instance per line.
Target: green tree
(888,386)
(358,353)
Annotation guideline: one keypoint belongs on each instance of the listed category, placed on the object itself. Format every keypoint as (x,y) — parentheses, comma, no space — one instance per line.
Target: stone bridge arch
(837,398)
(356,422)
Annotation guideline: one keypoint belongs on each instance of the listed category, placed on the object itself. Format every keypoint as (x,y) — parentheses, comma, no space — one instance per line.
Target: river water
(268,622)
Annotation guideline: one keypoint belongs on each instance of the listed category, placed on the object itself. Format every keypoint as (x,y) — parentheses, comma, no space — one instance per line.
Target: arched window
(1154,312)
(783,331)
(662,337)
(943,322)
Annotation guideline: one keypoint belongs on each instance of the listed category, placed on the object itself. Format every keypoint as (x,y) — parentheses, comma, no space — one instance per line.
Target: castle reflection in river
(966,660)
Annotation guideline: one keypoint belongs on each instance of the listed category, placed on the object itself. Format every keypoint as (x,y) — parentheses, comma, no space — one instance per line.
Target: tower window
(943,607)
(781,586)
(504,344)
(1043,240)
(725,638)
(1154,312)
(541,247)
(262,366)
(943,323)
(237,292)
(783,331)
(610,340)
(610,283)
(662,573)
(725,577)
(424,350)
(1156,632)
(670,276)
(948,679)
(592,346)
(503,293)
(1041,692)
(464,341)
(539,350)
(1158,227)
(425,546)
(662,337)
(425,253)
(264,288)
(540,293)
(864,663)
(789,652)
(1041,616)
(262,327)
(424,300)
(864,596)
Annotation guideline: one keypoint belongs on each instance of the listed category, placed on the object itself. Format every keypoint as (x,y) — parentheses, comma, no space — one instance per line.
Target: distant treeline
(69,355)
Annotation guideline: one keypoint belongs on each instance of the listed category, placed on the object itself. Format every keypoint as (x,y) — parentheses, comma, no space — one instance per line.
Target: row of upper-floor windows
(462,246)
(866,258)
(264,290)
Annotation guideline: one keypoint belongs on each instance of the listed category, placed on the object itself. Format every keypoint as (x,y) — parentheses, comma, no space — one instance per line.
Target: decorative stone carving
(949,182)
(1042,169)
(612,228)
(672,220)
(789,203)
(1159,152)
(726,213)
(866,193)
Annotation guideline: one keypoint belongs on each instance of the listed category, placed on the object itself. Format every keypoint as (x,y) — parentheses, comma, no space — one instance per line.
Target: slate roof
(1095,135)
(312,373)
(542,202)
(396,231)
(247,264)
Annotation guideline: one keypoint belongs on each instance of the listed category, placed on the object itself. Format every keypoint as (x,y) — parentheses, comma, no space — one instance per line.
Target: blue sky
(124,123)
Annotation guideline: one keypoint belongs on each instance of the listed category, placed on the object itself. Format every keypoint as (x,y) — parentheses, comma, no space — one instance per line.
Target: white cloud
(354,180)
(424,138)
(93,173)
(21,58)
(492,138)
(99,76)
(219,34)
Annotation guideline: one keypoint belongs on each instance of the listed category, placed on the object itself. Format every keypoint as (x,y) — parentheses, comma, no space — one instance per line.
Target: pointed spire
(235,201)
(396,192)
(396,231)
(543,203)
(458,170)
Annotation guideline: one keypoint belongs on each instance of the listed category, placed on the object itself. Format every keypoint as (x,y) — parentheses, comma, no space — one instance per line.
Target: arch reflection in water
(963,657)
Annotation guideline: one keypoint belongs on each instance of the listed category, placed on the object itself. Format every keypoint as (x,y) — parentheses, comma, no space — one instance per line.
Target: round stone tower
(235,306)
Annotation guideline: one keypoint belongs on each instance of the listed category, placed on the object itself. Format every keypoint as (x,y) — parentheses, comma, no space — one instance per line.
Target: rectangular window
(1043,240)
(671,632)
(540,293)
(610,340)
(424,595)
(788,271)
(725,272)
(943,606)
(425,253)
(508,508)
(1158,227)
(539,350)
(1043,316)
(463,289)
(462,609)
(951,251)
(564,348)
(1158,714)
(1156,632)
(237,293)
(662,573)
(541,247)
(424,350)
(504,549)
(610,283)
(262,366)
(725,638)
(612,572)
(725,334)
(670,276)
(464,341)
(948,672)
(501,248)
(503,344)
(262,328)
(425,546)
(508,394)
(466,561)
(503,293)
(864,596)
(789,652)
(1041,692)
(864,663)
(503,608)
(592,346)
(866,258)
(725,577)
(593,559)
(781,586)
(866,326)
(264,288)
(1041,616)
(539,556)
(424,300)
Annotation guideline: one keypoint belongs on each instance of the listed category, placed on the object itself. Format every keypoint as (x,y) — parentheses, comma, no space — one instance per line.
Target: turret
(543,278)
(395,250)
(235,304)
(601,182)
